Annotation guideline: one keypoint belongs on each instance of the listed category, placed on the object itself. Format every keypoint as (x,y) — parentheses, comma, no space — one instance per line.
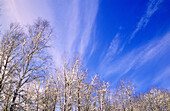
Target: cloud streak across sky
(151,9)
(114,64)
(116,46)
(137,57)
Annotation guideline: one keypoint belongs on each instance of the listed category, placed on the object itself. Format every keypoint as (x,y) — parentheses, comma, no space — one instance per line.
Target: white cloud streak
(113,49)
(116,45)
(162,75)
(137,57)
(77,28)
(23,11)
(151,9)
(89,19)
(163,78)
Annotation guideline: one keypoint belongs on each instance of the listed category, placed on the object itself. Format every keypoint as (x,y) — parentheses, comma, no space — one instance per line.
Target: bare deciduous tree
(22,60)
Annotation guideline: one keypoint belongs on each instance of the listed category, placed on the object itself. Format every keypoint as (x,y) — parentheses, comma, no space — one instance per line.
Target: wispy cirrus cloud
(112,50)
(89,20)
(163,77)
(76,29)
(164,74)
(137,57)
(73,22)
(23,11)
(151,9)
(117,45)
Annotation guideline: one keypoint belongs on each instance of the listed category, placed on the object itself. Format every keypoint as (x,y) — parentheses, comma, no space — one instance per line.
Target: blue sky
(116,38)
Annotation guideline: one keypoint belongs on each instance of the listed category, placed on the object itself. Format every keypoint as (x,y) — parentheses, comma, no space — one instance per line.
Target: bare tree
(9,62)
(22,60)
(156,100)
(32,63)
(124,95)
